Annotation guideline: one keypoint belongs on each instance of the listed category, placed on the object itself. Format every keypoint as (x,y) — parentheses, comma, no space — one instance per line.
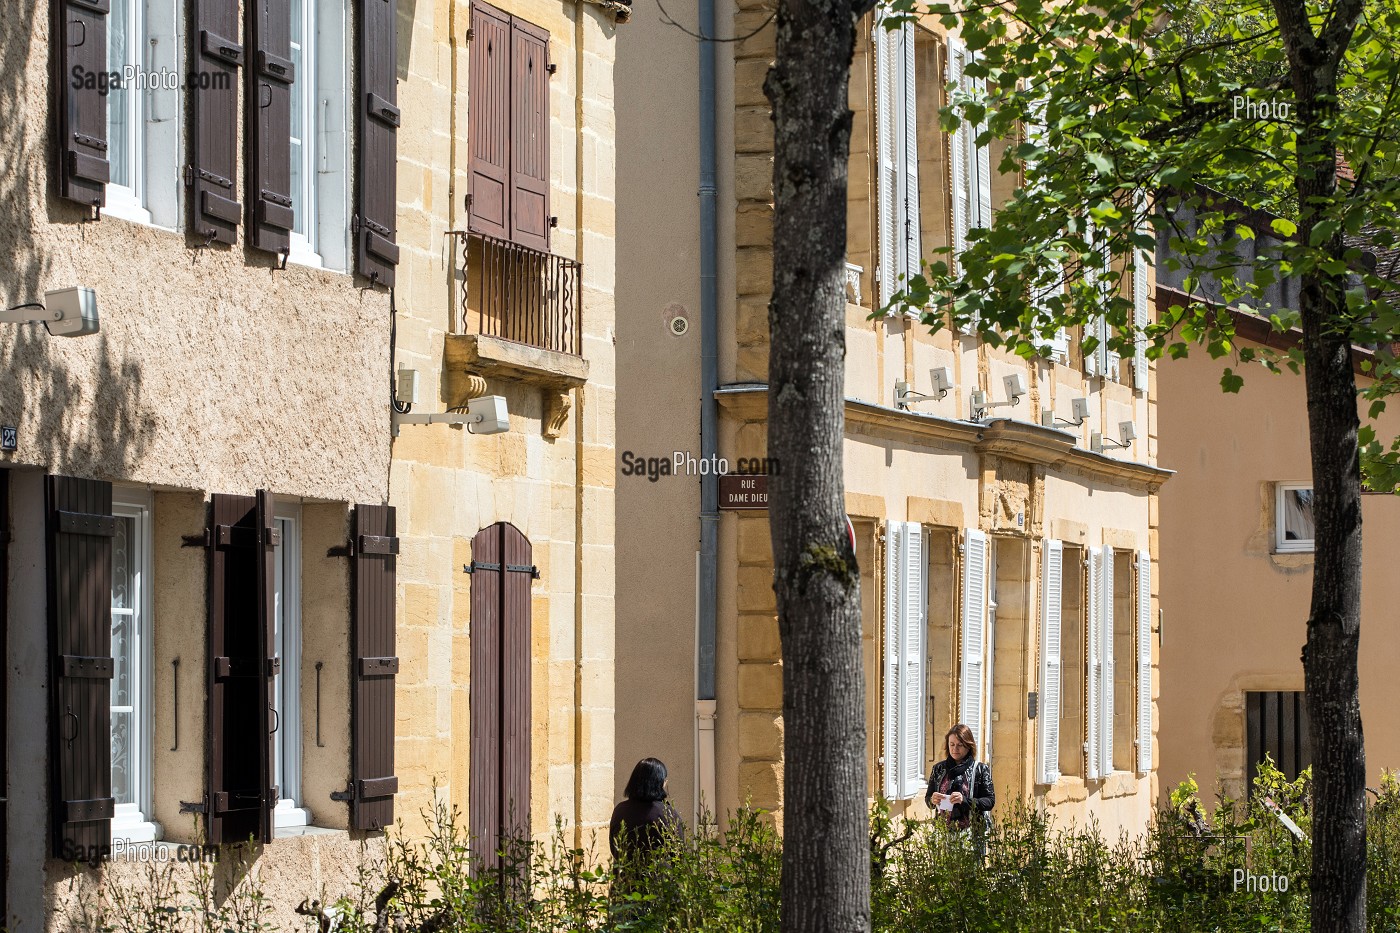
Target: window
(131,679)
(906,602)
(897,118)
(286,682)
(319,151)
(1073,641)
(1276,725)
(1293,518)
(143,111)
(1124,660)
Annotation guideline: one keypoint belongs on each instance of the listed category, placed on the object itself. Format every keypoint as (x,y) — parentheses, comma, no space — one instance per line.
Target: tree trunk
(826,862)
(1338,879)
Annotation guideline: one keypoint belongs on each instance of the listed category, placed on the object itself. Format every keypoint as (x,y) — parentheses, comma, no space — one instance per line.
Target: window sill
(298,257)
(290,817)
(292,832)
(136,831)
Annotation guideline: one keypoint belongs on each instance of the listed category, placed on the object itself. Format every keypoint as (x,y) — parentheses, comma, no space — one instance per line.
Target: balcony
(520,295)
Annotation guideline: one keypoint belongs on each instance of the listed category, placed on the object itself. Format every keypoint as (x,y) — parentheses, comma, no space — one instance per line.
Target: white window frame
(323,82)
(154,115)
(287,757)
(134,821)
(1051,664)
(1283,545)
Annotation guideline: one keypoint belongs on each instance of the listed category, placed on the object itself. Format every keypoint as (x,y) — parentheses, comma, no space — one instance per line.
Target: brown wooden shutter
(499,797)
(215,56)
(373,783)
(80,113)
(376,253)
(80,532)
(529,156)
(269,105)
(489,111)
(241,668)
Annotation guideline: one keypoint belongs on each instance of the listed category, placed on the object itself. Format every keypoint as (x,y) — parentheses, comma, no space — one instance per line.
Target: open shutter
(894,572)
(1141,316)
(1051,592)
(484,795)
(909,176)
(215,56)
(1106,665)
(983,157)
(529,135)
(269,101)
(911,717)
(515,682)
(890,257)
(376,165)
(81,113)
(1144,662)
(489,121)
(1094,630)
(375,660)
(958,166)
(972,685)
(80,528)
(241,666)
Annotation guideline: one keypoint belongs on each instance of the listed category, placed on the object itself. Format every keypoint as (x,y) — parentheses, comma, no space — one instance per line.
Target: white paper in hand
(946,803)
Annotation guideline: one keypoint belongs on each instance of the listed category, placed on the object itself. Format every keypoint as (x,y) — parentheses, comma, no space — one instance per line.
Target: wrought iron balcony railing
(520,294)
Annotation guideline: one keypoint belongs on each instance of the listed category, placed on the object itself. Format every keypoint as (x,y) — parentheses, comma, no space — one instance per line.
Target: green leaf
(1283,227)
(1231,382)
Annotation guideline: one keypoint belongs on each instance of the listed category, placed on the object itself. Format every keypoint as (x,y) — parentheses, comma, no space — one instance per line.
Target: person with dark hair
(642,822)
(960,787)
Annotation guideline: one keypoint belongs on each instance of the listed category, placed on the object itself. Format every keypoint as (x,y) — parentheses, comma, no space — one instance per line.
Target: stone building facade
(998,556)
(216,494)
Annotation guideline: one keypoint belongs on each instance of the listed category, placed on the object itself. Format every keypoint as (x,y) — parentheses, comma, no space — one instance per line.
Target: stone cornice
(999,437)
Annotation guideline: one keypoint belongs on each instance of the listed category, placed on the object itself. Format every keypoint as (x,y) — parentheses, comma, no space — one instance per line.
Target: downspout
(706,583)
(580,398)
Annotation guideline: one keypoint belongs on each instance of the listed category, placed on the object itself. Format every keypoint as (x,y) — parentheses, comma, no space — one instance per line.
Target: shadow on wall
(22,170)
(407,10)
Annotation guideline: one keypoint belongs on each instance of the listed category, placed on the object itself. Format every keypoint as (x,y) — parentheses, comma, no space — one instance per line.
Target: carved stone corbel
(557,404)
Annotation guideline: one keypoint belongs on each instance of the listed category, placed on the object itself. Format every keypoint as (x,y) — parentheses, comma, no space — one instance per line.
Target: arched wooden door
(499,796)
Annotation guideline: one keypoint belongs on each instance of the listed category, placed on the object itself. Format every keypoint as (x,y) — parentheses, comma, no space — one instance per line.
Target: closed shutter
(890,258)
(983,157)
(1141,317)
(1094,630)
(489,121)
(1106,665)
(376,166)
(375,662)
(501,632)
(241,665)
(529,124)
(215,55)
(909,176)
(80,528)
(80,113)
(972,686)
(484,795)
(1144,662)
(915,601)
(958,166)
(894,565)
(269,101)
(1051,592)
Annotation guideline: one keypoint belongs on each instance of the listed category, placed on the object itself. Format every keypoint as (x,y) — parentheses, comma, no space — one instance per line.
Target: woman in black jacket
(960,787)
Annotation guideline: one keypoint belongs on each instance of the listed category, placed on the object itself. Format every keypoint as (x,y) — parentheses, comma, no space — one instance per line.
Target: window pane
(123,776)
(119,44)
(1298,515)
(299,115)
(123,614)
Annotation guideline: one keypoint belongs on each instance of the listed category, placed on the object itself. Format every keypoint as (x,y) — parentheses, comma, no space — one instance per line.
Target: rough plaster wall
(213,370)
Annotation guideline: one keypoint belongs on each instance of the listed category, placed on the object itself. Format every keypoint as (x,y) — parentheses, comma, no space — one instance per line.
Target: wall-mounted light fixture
(1126,430)
(1015,388)
(942,382)
(1079,407)
(484,415)
(64,312)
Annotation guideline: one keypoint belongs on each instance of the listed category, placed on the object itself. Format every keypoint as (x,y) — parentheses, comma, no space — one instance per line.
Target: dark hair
(964,735)
(648,781)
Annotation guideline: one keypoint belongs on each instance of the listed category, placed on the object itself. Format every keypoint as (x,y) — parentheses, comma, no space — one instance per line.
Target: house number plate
(9,438)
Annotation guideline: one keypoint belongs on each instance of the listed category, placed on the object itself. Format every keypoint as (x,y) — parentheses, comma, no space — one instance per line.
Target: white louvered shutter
(893,576)
(1144,663)
(972,683)
(983,155)
(957,156)
(1107,667)
(888,173)
(1059,343)
(909,129)
(1094,629)
(1141,316)
(1109,363)
(911,713)
(1051,589)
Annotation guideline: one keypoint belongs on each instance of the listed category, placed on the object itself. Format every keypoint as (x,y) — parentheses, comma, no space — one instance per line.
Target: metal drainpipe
(709,441)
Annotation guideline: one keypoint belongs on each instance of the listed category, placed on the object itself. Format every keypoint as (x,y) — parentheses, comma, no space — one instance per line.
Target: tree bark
(826,861)
(1338,880)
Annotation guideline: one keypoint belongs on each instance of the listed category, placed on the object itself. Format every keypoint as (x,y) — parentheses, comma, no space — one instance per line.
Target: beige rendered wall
(551,475)
(1236,612)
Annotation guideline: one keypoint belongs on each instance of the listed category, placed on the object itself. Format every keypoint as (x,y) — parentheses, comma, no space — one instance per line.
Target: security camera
(66,312)
(1127,431)
(941,380)
(488,415)
(1015,387)
(1080,408)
